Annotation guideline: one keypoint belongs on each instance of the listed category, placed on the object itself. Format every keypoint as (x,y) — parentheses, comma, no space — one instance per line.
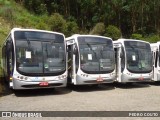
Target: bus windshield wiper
(29,43)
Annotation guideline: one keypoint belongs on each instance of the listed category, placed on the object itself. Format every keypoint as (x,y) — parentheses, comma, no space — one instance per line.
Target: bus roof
(85,35)
(26,29)
(122,40)
(38,30)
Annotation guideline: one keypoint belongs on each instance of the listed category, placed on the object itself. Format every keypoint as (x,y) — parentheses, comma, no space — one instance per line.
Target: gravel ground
(108,97)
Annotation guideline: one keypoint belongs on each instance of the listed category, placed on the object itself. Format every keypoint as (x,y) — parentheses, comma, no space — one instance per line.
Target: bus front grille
(37,85)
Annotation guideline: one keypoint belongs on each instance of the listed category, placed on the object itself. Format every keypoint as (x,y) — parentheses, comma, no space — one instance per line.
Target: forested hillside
(130,16)
(114,18)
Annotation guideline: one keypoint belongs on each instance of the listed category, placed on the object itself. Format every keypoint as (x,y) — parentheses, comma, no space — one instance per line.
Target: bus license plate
(43,84)
(141,78)
(100,79)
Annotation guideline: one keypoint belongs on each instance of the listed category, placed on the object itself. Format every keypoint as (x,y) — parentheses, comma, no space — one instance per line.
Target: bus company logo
(43,79)
(6,114)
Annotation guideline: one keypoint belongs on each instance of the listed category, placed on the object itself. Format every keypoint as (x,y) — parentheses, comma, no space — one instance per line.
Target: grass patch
(1,83)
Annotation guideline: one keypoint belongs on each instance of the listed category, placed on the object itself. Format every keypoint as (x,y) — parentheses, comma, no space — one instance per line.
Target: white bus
(34,59)
(133,60)
(156,61)
(91,59)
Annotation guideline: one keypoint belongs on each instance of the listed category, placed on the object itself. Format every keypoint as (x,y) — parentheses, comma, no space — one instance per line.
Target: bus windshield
(96,55)
(39,53)
(139,56)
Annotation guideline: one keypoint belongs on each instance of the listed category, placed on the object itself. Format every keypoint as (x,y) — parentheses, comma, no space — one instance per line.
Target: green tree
(137,36)
(57,23)
(7,12)
(36,6)
(99,29)
(113,32)
(72,28)
(134,16)
(152,38)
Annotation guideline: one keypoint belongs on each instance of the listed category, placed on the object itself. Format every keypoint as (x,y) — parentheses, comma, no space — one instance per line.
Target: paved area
(108,97)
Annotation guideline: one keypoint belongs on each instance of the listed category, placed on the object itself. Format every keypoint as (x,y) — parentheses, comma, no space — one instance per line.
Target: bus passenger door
(10,62)
(71,65)
(155,66)
(118,63)
(74,65)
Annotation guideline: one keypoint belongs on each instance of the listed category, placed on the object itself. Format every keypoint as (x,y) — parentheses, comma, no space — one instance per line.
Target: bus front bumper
(80,80)
(18,84)
(136,78)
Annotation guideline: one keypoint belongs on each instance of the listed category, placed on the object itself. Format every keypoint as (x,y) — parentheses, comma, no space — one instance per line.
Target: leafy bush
(57,23)
(152,38)
(41,25)
(99,29)
(137,36)
(113,32)
(72,28)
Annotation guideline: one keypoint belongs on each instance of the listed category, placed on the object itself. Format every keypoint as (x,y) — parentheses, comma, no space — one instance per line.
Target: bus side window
(76,57)
(122,59)
(156,59)
(10,57)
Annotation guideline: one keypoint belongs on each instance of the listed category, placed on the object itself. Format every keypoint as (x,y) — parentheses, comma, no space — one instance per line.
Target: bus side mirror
(75,50)
(121,55)
(67,49)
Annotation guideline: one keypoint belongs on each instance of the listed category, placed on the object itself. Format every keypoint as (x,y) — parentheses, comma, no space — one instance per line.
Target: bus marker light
(43,84)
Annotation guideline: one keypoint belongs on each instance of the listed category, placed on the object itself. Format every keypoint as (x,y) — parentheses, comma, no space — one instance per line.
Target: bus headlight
(26,78)
(84,75)
(129,74)
(111,74)
(62,77)
(22,78)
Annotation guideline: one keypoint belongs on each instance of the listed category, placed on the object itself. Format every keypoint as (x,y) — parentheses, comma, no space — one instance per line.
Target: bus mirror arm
(75,50)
